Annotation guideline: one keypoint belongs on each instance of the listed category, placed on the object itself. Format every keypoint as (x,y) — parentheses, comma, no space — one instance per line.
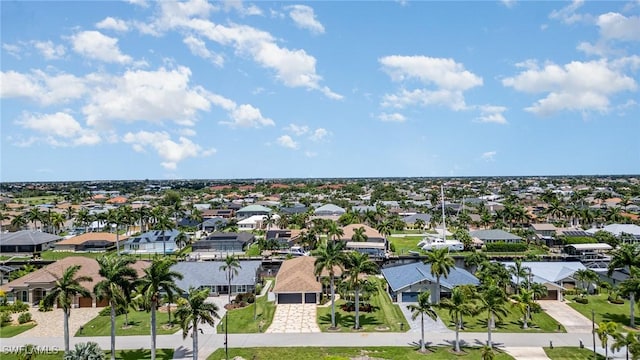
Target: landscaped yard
(542,322)
(385,316)
(57,255)
(570,353)
(346,353)
(140,325)
(8,331)
(604,310)
(241,320)
(161,354)
(405,244)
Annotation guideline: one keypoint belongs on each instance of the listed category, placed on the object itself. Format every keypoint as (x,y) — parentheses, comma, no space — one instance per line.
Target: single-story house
(255,222)
(495,235)
(626,232)
(27,241)
(34,286)
(223,213)
(296,209)
(376,244)
(207,275)
(297,283)
(405,282)
(152,242)
(544,231)
(92,241)
(557,276)
(224,242)
(410,220)
(329,210)
(252,210)
(214,224)
(285,237)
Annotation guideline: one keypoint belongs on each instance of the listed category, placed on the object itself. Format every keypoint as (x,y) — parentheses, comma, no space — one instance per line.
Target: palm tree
(66,288)
(18,222)
(441,263)
(118,277)
(330,256)
(474,260)
(629,341)
(523,302)
(163,223)
(493,301)
(268,221)
(334,231)
(384,228)
(85,351)
(34,215)
(604,330)
(359,234)
(631,288)
(422,308)
(158,277)
(586,278)
(419,224)
(195,310)
(626,256)
(458,305)
(359,264)
(231,266)
(518,271)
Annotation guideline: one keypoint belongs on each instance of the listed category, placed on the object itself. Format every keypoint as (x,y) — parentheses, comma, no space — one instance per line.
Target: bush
(392,247)
(42,307)
(5,318)
(581,300)
(258,288)
(245,298)
(85,351)
(615,300)
(18,306)
(120,310)
(506,247)
(579,240)
(25,317)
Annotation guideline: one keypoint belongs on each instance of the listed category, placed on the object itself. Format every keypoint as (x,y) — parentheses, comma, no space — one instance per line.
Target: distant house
(405,282)
(224,242)
(545,232)
(214,224)
(376,244)
(34,286)
(410,220)
(291,210)
(254,222)
(286,238)
(253,210)
(329,210)
(495,235)
(27,241)
(92,241)
(628,233)
(223,213)
(555,276)
(152,242)
(207,275)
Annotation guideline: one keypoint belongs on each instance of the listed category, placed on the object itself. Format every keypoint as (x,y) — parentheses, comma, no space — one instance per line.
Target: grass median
(139,354)
(8,331)
(541,322)
(139,324)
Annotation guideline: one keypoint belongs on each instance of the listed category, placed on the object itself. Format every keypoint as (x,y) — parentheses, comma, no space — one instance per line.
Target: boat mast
(444,226)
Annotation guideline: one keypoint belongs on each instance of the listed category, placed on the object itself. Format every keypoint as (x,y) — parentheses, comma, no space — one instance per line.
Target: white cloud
(39,86)
(49,50)
(508,3)
(199,48)
(404,98)
(142,3)
(578,86)
(304,17)
(111,23)
(297,129)
(244,115)
(12,49)
(488,156)
(171,152)
(393,117)
(59,129)
(238,6)
(319,134)
(287,141)
(153,96)
(615,26)
(97,46)
(441,72)
(568,13)
(492,114)
(187,132)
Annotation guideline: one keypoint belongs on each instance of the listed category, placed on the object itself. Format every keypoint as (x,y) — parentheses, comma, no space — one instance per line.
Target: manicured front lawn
(604,310)
(140,354)
(346,353)
(405,244)
(139,325)
(13,330)
(241,320)
(542,322)
(385,316)
(57,255)
(570,353)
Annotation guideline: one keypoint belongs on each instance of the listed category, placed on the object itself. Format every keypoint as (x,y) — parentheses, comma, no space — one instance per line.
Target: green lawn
(542,322)
(570,353)
(57,255)
(346,353)
(241,320)
(140,320)
(404,244)
(253,250)
(604,310)
(385,315)
(13,330)
(140,354)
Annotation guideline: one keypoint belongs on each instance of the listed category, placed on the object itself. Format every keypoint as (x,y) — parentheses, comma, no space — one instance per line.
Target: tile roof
(91,236)
(27,237)
(349,230)
(255,208)
(402,276)
(297,275)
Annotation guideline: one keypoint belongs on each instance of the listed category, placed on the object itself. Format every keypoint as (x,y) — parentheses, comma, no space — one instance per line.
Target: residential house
(225,242)
(627,233)
(153,242)
(253,210)
(223,213)
(410,220)
(285,237)
(376,244)
(208,275)
(555,276)
(214,224)
(406,282)
(494,236)
(329,210)
(27,242)
(93,241)
(545,232)
(297,282)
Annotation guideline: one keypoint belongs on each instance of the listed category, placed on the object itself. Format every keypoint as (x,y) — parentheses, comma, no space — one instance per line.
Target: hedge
(506,247)
(580,240)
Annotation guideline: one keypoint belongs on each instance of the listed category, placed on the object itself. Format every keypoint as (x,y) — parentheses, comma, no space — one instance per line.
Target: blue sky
(156,90)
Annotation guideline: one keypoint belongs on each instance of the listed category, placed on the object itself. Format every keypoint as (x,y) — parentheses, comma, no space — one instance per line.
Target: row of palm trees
(121,283)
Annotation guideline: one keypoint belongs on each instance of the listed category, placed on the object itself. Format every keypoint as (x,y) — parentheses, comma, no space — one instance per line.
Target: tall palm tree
(195,310)
(518,271)
(118,276)
(441,263)
(493,301)
(158,277)
(384,228)
(626,256)
(523,301)
(230,266)
(358,264)
(422,308)
(458,305)
(330,256)
(18,222)
(359,234)
(604,330)
(34,215)
(163,223)
(586,278)
(474,260)
(269,221)
(66,288)
(630,341)
(631,288)
(334,231)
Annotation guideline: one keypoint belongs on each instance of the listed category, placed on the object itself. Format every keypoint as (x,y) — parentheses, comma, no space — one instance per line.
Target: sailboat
(431,242)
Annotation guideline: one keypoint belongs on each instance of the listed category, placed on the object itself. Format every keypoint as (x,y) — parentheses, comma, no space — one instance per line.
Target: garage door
(551,295)
(290,298)
(410,296)
(84,302)
(310,298)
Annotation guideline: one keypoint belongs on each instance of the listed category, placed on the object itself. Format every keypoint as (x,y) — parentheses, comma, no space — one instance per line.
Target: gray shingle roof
(402,276)
(27,237)
(411,219)
(494,234)
(255,208)
(208,273)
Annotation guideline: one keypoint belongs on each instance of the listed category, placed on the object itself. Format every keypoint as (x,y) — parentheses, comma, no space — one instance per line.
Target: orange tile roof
(91,236)
(349,230)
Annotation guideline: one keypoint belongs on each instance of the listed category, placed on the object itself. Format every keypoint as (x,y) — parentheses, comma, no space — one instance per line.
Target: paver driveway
(51,323)
(294,318)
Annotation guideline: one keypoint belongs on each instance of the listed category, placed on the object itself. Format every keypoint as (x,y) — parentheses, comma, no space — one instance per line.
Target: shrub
(5,318)
(258,288)
(506,247)
(581,300)
(25,317)
(615,300)
(85,351)
(392,247)
(106,311)
(245,298)
(42,307)
(18,306)
(579,240)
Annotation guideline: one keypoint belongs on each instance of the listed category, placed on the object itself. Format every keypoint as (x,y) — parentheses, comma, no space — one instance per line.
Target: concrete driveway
(51,323)
(527,353)
(294,318)
(573,321)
